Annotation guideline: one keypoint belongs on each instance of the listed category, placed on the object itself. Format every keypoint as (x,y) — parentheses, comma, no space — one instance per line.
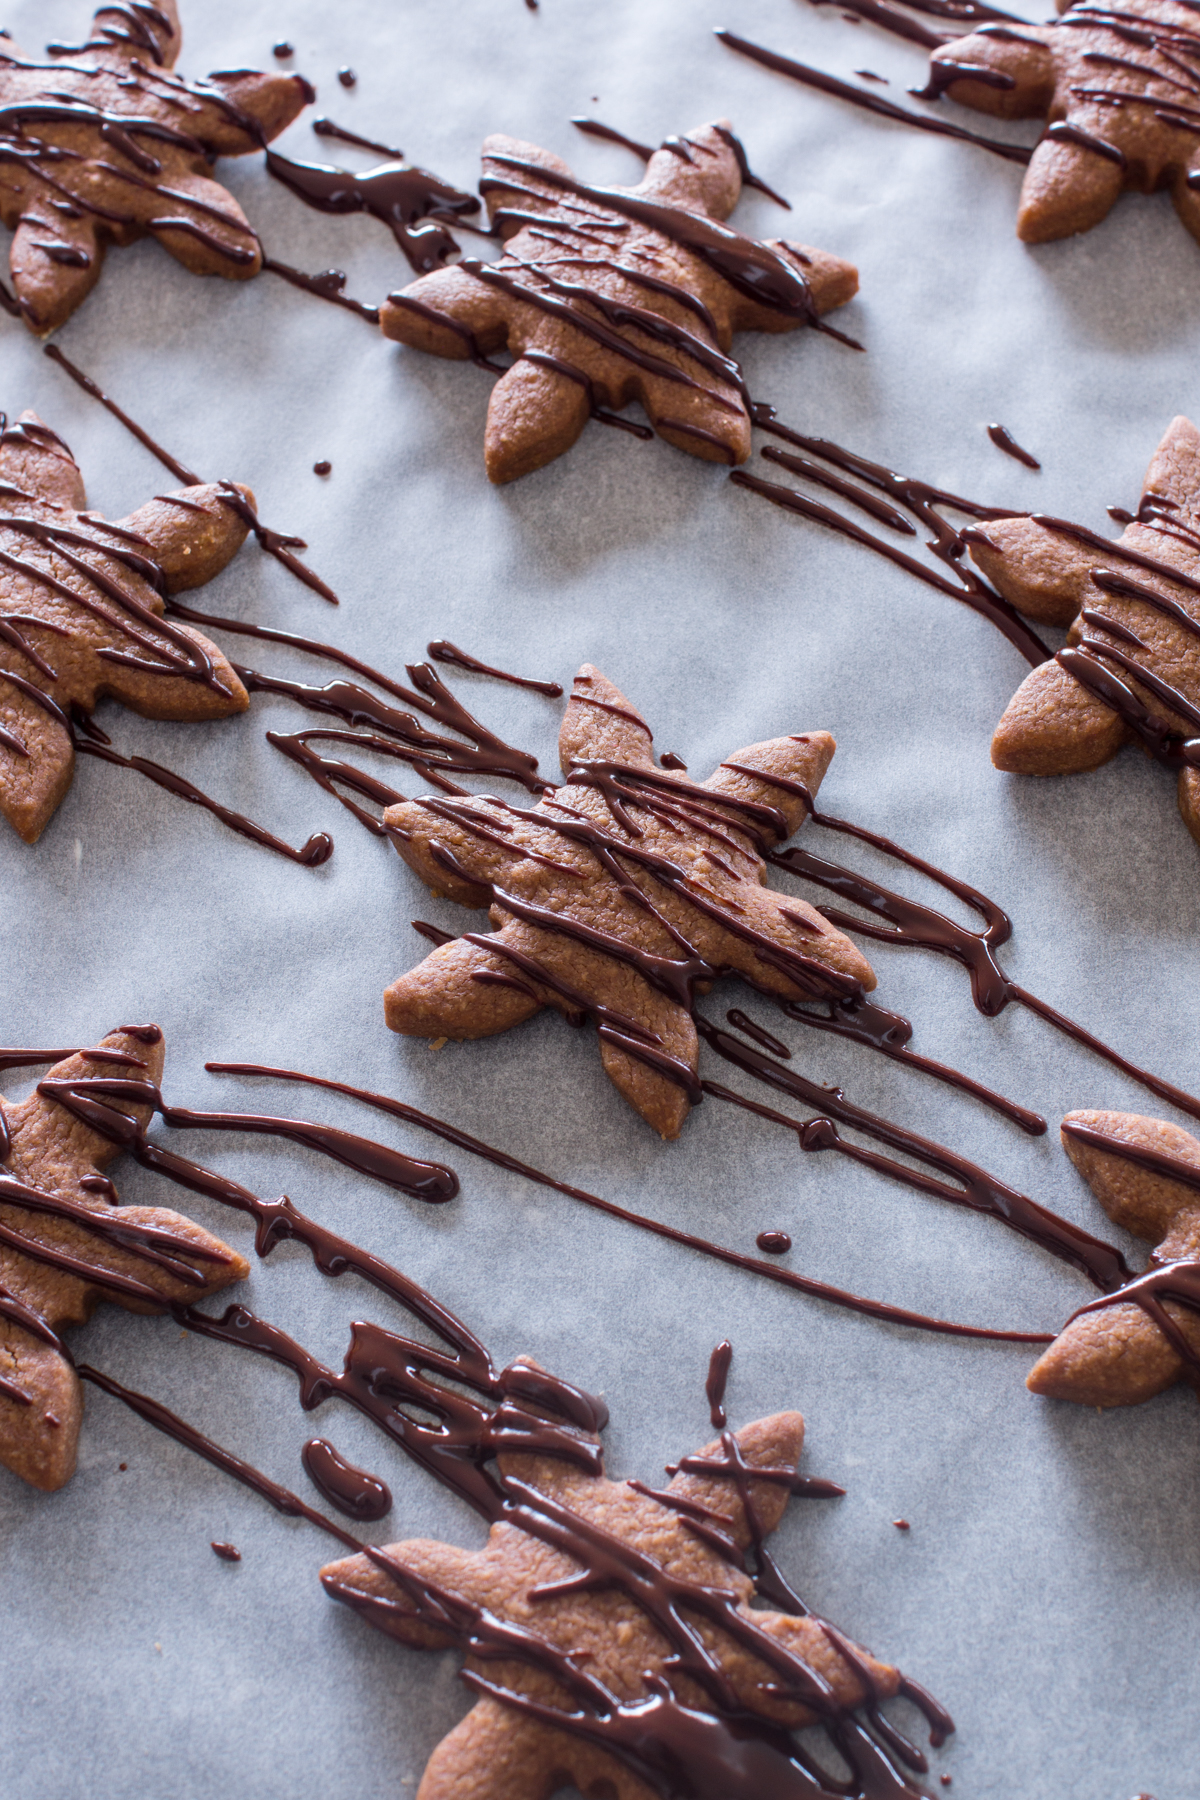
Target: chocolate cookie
(66,1244)
(1120,88)
(608,294)
(618,896)
(101,144)
(1132,1344)
(592,1579)
(1131,668)
(82,616)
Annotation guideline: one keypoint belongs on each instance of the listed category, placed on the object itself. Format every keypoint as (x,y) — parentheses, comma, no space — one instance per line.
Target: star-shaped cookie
(1146,1175)
(608,294)
(1120,87)
(81,605)
(1131,671)
(66,1244)
(628,1542)
(101,144)
(618,896)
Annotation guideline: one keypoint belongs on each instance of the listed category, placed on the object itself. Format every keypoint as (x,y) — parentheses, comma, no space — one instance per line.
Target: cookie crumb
(439,1043)
(348,78)
(902,1524)
(122,1467)
(158,1649)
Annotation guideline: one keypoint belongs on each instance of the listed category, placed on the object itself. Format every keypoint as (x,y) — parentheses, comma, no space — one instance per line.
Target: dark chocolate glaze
(324,467)
(29,1059)
(407,200)
(359,1495)
(1178,1281)
(485,754)
(753,268)
(845,90)
(227,1552)
(1003,439)
(774,1243)
(722,1753)
(348,78)
(714,1387)
(441,650)
(1066,131)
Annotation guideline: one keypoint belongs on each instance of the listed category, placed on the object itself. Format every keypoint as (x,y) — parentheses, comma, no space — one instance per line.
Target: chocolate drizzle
(359,1495)
(326,127)
(875,103)
(593,128)
(410,201)
(441,650)
(1179,1280)
(275,543)
(919,499)
(478,1412)
(783,1277)
(1003,439)
(753,268)
(913,924)
(326,286)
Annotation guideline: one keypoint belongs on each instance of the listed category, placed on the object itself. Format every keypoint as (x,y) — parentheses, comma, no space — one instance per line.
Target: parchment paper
(1047,1589)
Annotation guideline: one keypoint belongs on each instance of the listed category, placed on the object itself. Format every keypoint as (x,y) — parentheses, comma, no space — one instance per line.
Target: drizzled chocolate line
(679,146)
(441,650)
(359,1495)
(1004,440)
(407,200)
(501,1159)
(326,127)
(702,1745)
(829,84)
(919,499)
(912,923)
(1179,1280)
(1102,1263)
(312,854)
(326,286)
(275,543)
(752,268)
(85,1098)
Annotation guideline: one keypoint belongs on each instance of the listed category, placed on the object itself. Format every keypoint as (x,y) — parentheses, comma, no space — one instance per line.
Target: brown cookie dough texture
(56,1153)
(498,1753)
(1117,1355)
(605,267)
(1053,725)
(464,991)
(1120,89)
(101,144)
(77,618)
